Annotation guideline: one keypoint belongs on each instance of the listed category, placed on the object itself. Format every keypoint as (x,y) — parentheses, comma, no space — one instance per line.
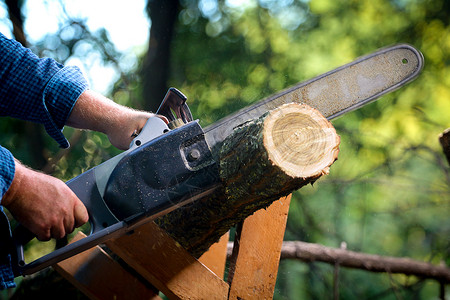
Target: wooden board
(164,263)
(98,276)
(215,258)
(260,242)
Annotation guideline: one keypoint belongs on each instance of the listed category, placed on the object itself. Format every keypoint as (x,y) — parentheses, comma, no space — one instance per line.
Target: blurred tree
(34,133)
(17,19)
(156,64)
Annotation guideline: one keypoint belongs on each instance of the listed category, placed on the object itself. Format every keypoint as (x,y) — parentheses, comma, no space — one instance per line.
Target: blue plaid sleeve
(6,270)
(7,168)
(37,89)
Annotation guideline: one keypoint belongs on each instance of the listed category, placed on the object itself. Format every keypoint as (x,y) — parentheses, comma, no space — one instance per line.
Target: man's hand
(96,112)
(43,204)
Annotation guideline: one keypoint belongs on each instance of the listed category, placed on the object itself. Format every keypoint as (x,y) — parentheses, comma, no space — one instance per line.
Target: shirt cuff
(7,170)
(6,274)
(59,97)
(6,270)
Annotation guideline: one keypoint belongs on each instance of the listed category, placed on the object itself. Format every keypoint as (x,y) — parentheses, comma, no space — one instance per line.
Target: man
(43,91)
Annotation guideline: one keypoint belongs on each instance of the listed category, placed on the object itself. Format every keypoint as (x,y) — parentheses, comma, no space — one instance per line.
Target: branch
(310,252)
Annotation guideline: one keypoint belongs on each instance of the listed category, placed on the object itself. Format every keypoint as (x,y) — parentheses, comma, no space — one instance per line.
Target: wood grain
(260,242)
(164,263)
(216,256)
(98,276)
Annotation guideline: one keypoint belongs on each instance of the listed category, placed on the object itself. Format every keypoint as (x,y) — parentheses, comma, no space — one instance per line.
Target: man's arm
(44,204)
(96,112)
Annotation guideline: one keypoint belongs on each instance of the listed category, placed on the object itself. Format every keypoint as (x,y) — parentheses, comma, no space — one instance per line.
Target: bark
(261,161)
(309,252)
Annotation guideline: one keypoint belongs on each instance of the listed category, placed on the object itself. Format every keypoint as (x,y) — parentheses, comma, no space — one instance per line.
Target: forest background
(389,192)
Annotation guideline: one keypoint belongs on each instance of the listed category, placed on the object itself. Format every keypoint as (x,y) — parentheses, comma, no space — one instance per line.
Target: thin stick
(310,252)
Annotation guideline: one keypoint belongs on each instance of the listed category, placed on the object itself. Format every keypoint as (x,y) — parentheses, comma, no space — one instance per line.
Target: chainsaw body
(163,169)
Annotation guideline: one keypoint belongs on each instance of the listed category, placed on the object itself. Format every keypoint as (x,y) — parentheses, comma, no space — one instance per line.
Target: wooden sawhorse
(161,264)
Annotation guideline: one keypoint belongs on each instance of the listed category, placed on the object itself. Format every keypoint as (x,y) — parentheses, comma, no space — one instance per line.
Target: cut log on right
(261,161)
(280,152)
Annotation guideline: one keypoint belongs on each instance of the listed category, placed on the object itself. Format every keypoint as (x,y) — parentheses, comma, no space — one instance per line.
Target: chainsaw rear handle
(21,236)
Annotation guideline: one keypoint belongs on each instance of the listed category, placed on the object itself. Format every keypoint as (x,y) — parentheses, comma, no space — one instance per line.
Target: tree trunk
(155,70)
(261,161)
(444,139)
(33,132)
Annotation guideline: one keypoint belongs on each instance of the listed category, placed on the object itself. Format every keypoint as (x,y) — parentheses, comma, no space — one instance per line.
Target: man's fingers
(69,224)
(44,235)
(80,214)
(66,226)
(58,232)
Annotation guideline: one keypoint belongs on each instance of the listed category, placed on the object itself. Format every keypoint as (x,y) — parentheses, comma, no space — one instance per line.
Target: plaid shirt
(37,90)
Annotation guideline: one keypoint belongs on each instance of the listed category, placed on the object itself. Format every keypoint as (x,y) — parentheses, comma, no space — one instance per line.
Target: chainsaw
(170,165)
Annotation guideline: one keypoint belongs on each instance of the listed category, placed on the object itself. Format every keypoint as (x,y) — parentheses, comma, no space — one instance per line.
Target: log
(261,161)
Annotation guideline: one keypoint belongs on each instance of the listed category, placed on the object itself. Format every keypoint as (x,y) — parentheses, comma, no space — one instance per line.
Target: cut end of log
(280,152)
(300,140)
